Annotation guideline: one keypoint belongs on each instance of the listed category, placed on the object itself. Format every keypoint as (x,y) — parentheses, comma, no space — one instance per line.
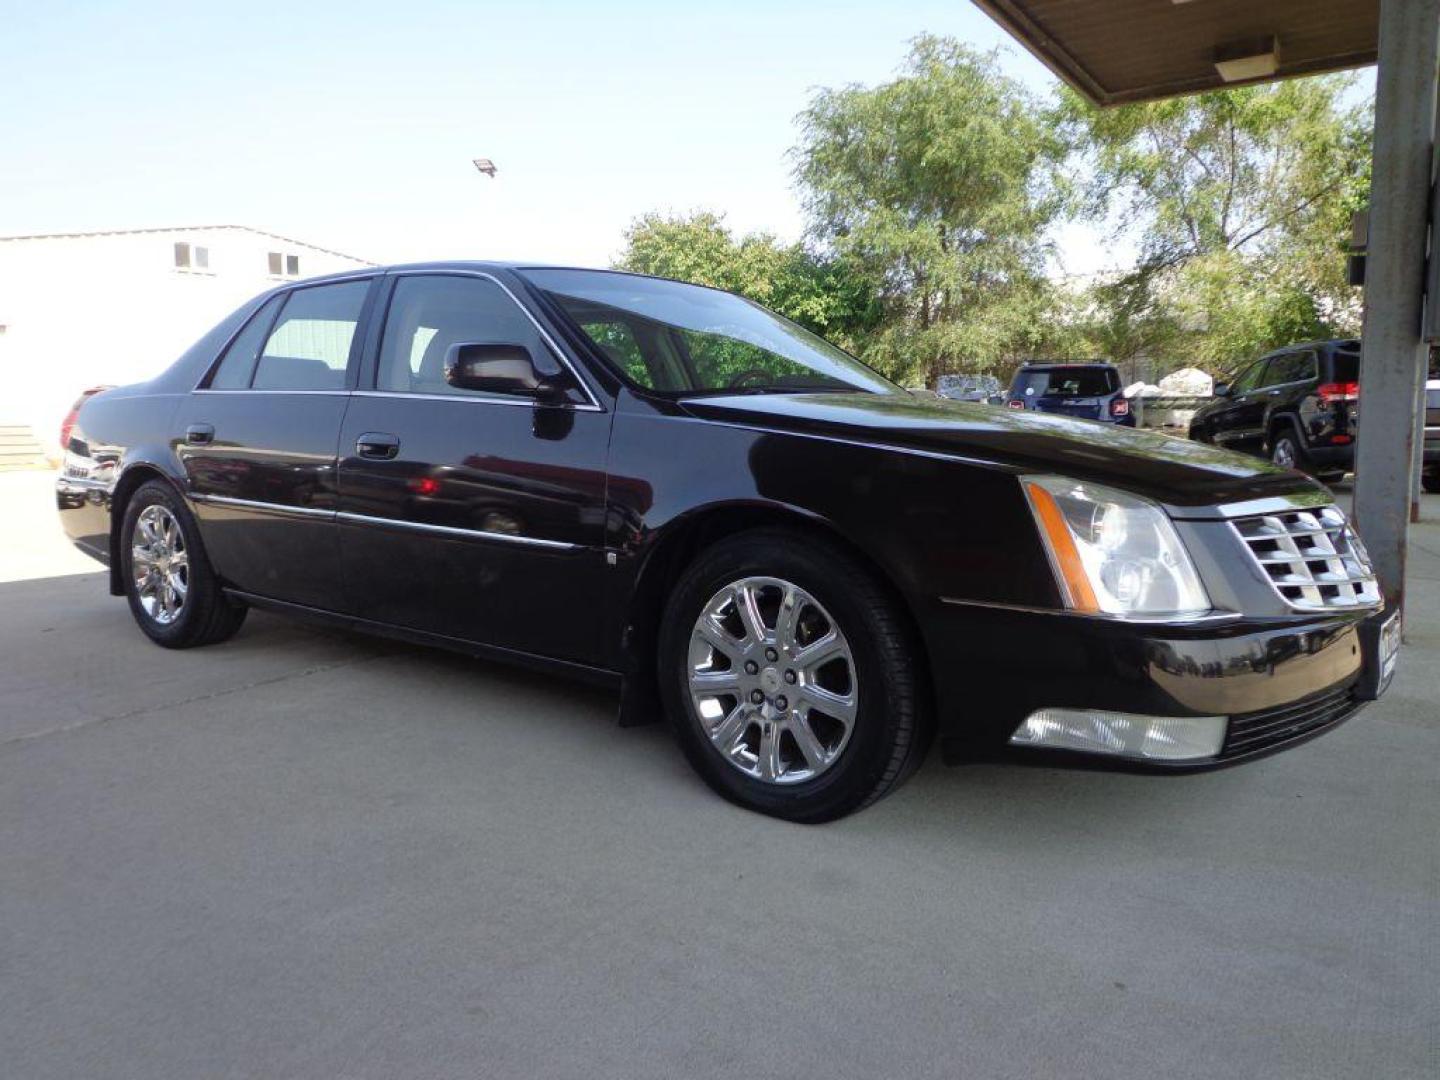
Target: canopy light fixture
(486,166)
(1241,61)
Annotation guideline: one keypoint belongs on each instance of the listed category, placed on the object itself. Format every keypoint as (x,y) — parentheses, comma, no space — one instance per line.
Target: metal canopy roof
(1117,51)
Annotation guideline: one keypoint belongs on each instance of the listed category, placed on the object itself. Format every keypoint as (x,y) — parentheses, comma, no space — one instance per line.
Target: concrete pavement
(309,854)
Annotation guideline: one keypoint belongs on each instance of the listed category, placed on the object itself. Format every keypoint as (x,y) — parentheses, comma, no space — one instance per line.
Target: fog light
(1150,738)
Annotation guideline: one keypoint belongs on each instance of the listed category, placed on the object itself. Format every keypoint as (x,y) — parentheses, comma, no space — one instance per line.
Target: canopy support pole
(1392,369)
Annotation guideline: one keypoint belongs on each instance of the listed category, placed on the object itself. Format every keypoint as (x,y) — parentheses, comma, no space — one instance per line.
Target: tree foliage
(932,198)
(1239,201)
(939,187)
(818,293)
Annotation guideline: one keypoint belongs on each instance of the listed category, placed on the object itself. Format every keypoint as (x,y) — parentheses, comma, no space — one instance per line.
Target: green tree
(1239,201)
(938,187)
(820,294)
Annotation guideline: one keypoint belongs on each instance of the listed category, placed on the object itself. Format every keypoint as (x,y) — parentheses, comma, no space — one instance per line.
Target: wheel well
(1283,419)
(679,548)
(129,483)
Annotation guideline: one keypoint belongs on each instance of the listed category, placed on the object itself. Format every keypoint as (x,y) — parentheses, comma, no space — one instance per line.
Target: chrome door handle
(200,434)
(379,445)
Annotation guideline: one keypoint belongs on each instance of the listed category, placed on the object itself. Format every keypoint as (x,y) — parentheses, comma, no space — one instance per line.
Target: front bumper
(1279,681)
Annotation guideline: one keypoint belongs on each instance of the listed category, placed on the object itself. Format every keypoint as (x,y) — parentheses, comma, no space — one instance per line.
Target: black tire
(892,727)
(1430,480)
(206,615)
(1284,441)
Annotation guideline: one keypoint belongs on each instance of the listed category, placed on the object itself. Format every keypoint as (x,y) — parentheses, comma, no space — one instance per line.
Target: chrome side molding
(314,513)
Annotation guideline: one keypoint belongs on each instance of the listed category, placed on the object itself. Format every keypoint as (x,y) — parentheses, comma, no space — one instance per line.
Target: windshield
(686,339)
(1065,382)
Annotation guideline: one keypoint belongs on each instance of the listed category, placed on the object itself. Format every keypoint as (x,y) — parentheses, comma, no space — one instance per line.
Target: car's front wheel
(173,593)
(791,676)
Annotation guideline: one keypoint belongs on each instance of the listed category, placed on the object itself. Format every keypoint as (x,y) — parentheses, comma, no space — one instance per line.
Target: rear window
(1346,365)
(1066,382)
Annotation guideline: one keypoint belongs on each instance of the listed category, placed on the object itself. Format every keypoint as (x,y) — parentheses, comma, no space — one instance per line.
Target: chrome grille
(1313,558)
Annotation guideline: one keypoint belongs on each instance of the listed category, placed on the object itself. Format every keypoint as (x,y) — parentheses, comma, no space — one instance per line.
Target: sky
(353,125)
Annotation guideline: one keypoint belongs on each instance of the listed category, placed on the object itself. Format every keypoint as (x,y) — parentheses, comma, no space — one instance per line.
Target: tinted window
(429,313)
(1291,367)
(1249,378)
(1345,366)
(1065,382)
(234,370)
(692,339)
(309,348)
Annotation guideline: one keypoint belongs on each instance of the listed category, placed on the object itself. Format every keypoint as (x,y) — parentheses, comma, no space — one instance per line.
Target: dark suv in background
(1087,390)
(1298,406)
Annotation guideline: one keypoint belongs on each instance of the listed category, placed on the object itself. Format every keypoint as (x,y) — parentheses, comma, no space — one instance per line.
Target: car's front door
(477,516)
(1240,422)
(257,441)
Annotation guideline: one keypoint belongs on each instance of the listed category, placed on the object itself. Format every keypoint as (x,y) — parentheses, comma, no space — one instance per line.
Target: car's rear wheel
(173,593)
(790,674)
(1285,450)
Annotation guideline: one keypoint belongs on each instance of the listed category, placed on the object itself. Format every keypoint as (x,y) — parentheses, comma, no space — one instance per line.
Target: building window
(282,265)
(191,257)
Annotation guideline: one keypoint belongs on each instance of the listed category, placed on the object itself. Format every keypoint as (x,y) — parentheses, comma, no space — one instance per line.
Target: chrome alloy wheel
(772,679)
(1284,453)
(160,564)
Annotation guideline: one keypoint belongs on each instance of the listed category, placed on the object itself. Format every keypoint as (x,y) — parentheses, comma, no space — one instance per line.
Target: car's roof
(1336,343)
(485,265)
(1041,365)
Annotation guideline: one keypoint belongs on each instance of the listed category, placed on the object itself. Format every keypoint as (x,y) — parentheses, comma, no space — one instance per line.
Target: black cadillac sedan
(809,571)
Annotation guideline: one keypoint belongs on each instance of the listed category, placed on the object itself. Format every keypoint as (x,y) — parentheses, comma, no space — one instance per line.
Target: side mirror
(503,368)
(1222,389)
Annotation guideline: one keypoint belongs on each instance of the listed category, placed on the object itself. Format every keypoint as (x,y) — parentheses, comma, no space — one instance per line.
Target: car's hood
(1171,470)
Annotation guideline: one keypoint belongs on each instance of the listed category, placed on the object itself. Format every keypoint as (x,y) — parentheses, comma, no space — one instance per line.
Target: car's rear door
(257,441)
(1289,379)
(476,516)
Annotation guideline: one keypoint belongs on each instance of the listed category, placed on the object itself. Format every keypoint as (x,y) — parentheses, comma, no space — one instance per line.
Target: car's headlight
(1113,553)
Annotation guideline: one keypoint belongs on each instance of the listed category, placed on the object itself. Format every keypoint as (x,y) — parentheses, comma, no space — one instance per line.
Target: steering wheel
(758,375)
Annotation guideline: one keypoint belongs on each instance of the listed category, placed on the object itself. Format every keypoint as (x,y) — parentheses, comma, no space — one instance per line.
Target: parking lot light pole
(1392,371)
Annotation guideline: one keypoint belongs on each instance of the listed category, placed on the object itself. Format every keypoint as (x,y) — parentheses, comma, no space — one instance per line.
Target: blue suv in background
(1088,390)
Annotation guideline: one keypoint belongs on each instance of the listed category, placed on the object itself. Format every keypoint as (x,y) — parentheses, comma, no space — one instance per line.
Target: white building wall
(113,308)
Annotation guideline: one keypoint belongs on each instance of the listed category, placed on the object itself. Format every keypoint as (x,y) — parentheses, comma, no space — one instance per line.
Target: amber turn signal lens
(1079,595)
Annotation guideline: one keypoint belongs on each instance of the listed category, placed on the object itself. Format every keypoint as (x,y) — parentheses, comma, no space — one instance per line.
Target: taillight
(1119,407)
(1331,392)
(68,424)
(1016,404)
